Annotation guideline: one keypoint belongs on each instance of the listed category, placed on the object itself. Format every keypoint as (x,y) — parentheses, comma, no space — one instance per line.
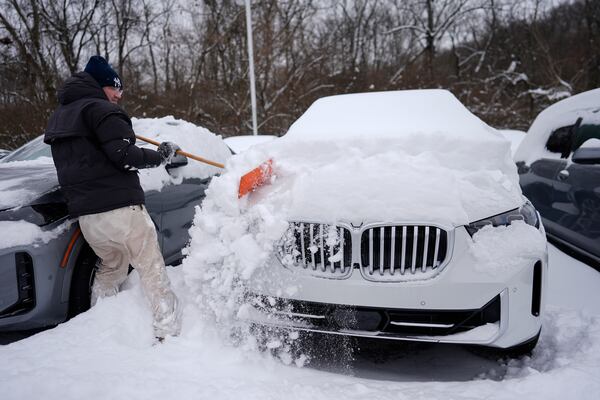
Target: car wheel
(81,282)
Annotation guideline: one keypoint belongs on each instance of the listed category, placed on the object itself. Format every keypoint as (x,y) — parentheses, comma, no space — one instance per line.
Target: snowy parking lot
(109,352)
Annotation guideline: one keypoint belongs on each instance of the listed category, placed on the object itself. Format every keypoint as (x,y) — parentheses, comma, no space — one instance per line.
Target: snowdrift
(107,352)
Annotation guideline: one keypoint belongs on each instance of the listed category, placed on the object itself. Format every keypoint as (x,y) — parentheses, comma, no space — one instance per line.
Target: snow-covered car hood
(420,179)
(24,181)
(410,156)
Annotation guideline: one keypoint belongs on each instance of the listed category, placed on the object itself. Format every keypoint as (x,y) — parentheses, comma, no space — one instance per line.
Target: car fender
(73,257)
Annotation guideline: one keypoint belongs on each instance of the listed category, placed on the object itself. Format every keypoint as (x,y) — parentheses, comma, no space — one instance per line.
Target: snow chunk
(24,233)
(503,249)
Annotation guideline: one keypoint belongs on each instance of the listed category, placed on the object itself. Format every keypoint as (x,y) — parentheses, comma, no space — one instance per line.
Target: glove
(167,151)
(177,161)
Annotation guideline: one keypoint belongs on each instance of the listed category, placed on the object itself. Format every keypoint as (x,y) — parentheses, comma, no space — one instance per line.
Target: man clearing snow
(93,147)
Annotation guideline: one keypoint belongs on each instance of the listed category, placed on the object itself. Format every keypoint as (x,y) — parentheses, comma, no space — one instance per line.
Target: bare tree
(69,25)
(430,23)
(23,22)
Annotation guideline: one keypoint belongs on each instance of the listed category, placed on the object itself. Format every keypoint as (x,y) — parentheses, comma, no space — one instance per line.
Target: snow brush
(248,182)
(256,178)
(183,153)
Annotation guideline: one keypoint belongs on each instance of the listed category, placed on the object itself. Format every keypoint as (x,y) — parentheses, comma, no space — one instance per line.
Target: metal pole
(251,65)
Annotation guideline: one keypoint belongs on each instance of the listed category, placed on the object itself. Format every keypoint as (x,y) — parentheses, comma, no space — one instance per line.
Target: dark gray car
(559,169)
(46,282)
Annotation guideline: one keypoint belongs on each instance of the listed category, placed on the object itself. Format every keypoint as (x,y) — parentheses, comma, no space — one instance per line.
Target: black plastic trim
(536,294)
(25,284)
(336,317)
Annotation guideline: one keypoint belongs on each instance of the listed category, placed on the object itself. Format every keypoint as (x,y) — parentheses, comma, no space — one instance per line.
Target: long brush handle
(183,153)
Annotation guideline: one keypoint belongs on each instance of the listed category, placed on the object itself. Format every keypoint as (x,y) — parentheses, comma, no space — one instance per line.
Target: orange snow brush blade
(256,178)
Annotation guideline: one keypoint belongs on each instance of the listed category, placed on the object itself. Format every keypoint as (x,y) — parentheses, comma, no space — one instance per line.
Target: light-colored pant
(127,236)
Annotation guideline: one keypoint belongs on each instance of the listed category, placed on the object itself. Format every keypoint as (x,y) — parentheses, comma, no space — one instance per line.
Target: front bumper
(34,288)
(480,326)
(460,288)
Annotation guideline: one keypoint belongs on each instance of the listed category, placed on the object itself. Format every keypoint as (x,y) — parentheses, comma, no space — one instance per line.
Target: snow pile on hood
(189,137)
(392,156)
(451,170)
(495,247)
(563,113)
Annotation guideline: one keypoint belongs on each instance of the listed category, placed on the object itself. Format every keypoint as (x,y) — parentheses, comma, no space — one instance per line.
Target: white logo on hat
(117,82)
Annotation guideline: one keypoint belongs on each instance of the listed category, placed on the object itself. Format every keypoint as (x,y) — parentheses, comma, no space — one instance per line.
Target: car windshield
(29,151)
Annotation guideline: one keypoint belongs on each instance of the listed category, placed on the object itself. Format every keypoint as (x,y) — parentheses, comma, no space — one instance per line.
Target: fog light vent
(25,285)
(536,295)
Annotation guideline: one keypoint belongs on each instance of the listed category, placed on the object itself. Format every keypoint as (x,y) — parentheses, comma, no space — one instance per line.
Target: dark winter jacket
(93,147)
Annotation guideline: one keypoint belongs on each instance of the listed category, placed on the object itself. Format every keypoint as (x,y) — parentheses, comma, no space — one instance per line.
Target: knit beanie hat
(103,73)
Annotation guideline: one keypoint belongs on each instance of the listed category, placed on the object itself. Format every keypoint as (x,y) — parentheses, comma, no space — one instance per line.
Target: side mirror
(586,155)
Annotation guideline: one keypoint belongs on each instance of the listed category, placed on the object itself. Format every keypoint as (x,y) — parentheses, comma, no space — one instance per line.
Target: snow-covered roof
(560,114)
(393,113)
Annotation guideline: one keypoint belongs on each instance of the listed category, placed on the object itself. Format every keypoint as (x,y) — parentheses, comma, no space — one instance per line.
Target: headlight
(526,213)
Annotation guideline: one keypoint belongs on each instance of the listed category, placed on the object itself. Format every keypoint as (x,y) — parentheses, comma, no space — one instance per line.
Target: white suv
(400,217)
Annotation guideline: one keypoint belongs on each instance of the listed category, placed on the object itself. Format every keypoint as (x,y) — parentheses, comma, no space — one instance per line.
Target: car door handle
(562,175)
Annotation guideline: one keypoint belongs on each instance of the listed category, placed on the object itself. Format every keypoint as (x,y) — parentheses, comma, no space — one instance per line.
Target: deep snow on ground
(108,352)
